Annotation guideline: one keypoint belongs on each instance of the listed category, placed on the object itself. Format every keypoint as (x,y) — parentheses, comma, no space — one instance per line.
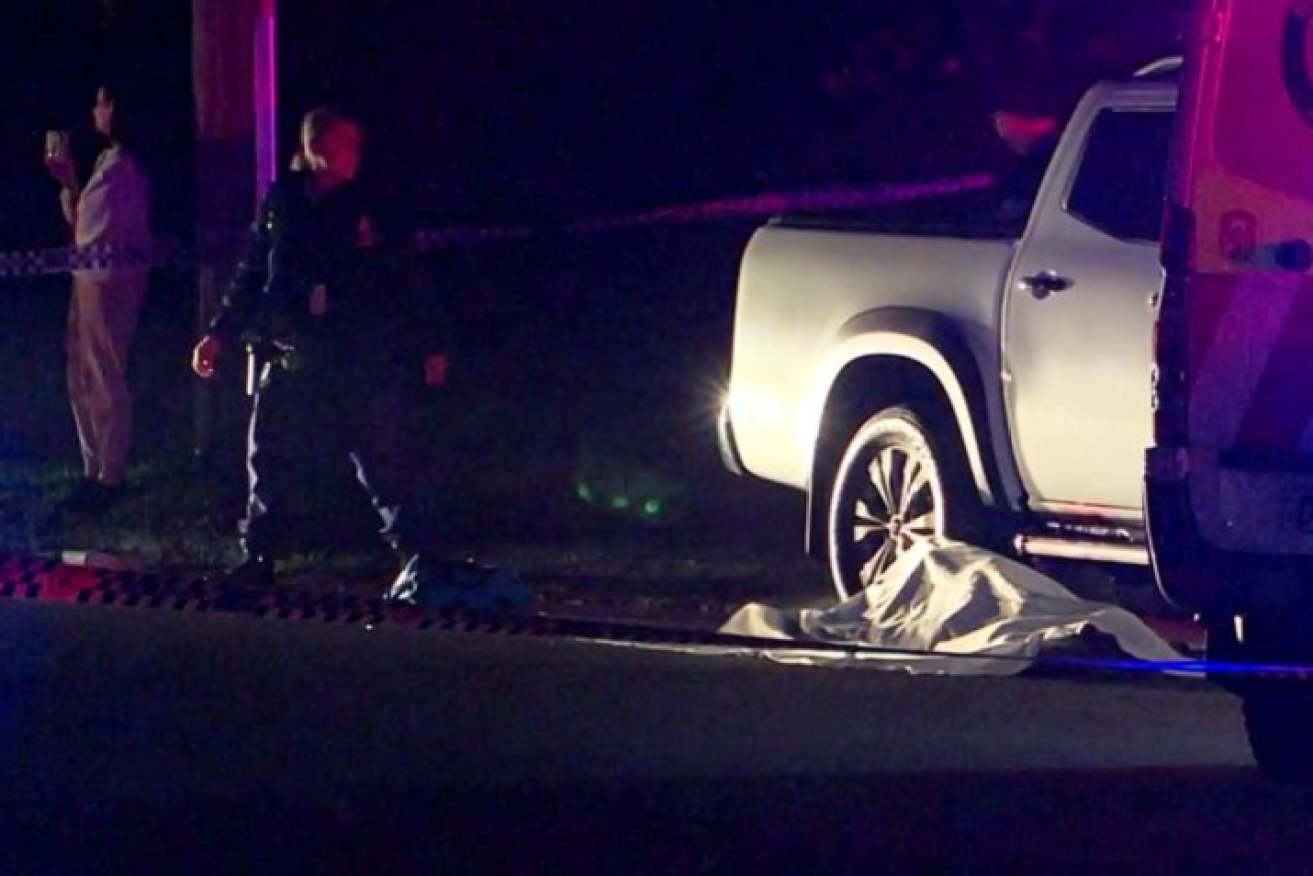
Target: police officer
(322,302)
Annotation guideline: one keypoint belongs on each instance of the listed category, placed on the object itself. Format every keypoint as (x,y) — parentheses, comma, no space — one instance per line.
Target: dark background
(504,110)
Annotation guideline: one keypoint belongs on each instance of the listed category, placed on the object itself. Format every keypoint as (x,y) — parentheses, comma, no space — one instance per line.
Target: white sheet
(961,604)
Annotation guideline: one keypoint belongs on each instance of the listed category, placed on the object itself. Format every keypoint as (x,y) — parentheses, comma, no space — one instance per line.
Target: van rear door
(1233,380)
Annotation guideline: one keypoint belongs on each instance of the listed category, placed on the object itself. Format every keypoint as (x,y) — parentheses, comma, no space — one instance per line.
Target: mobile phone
(57,145)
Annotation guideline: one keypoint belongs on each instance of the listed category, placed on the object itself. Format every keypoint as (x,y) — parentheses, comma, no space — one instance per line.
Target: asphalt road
(133,741)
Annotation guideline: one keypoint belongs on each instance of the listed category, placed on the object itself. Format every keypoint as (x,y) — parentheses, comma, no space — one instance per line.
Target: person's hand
(205,356)
(436,366)
(62,170)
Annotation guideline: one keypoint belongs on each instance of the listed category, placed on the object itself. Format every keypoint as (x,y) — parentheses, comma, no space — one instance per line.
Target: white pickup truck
(959,376)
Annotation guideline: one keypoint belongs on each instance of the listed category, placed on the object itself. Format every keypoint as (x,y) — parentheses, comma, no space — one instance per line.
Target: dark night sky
(487,110)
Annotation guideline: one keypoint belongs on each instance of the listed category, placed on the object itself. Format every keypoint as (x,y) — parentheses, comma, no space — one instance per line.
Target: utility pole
(235,96)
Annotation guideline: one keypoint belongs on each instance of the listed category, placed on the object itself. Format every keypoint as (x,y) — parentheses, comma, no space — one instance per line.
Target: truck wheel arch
(898,355)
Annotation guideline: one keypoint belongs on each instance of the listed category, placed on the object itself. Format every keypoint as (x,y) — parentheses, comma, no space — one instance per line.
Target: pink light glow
(265,58)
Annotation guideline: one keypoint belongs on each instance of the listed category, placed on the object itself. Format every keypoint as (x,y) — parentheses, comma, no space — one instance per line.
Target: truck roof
(1163,68)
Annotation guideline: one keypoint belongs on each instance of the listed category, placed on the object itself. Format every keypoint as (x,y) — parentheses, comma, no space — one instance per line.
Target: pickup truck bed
(806,293)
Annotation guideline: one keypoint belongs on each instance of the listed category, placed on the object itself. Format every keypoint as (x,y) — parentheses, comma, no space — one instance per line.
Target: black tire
(1279,722)
(902,478)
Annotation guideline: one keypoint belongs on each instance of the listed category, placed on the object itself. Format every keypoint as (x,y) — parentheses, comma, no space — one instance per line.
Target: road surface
(136,741)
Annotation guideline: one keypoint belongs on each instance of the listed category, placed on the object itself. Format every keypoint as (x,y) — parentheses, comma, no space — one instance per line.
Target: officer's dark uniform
(331,303)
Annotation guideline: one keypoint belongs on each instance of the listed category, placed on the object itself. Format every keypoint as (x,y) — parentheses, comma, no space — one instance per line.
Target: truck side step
(1082,549)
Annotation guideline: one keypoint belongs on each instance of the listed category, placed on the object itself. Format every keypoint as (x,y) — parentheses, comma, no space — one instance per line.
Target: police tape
(63,260)
(819,201)
(762,206)
(25,578)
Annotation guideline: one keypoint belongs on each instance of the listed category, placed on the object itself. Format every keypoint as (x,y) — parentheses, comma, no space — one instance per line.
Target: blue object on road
(445,585)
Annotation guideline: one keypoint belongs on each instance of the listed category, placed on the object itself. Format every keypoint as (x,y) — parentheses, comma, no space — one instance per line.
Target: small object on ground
(92,497)
(114,561)
(445,584)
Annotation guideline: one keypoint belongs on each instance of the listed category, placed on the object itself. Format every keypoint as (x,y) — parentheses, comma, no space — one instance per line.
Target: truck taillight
(1171,335)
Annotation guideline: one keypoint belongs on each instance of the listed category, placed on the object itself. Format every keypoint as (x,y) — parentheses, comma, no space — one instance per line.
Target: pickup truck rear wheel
(899,483)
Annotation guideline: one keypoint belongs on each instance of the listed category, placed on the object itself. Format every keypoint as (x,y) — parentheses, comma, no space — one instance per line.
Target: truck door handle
(1044,284)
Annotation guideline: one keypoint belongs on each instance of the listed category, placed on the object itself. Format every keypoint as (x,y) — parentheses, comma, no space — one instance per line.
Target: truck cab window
(1121,183)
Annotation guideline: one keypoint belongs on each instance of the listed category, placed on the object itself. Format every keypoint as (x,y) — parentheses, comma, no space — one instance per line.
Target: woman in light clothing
(111,214)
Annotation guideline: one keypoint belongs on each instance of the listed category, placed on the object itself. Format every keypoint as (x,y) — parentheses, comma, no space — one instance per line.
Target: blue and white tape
(63,260)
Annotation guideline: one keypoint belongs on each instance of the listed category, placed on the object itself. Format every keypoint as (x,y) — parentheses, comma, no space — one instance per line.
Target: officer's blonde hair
(314,125)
